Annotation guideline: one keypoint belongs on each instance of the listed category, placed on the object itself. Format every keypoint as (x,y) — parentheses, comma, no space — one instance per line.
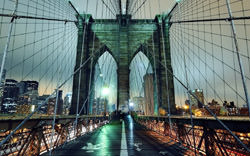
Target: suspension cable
(207,108)
(8,41)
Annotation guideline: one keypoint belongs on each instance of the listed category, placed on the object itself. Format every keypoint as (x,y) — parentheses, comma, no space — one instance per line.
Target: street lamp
(131,104)
(186,107)
(105,91)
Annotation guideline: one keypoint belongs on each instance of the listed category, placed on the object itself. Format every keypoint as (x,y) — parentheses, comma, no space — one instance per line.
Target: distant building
(139,104)
(67,103)
(28,92)
(104,105)
(52,103)
(25,109)
(99,106)
(199,94)
(231,108)
(243,111)
(9,106)
(22,93)
(40,101)
(11,90)
(27,86)
(149,94)
(113,107)
(94,106)
(2,88)
(214,107)
(10,96)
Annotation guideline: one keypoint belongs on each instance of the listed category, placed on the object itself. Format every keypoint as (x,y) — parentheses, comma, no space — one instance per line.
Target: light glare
(105,91)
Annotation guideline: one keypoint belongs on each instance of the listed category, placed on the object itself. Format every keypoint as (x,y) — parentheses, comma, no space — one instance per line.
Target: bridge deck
(49,117)
(236,123)
(122,139)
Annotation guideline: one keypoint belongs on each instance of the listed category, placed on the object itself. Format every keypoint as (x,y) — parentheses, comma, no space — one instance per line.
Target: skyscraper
(11,89)
(10,96)
(149,94)
(139,104)
(27,86)
(2,88)
(52,104)
(28,92)
(67,103)
(40,101)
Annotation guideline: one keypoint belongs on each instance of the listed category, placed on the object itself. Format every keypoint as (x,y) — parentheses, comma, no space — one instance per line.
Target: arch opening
(105,85)
(141,84)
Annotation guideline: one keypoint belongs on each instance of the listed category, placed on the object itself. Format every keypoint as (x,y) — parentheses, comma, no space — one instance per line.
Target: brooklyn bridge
(125,77)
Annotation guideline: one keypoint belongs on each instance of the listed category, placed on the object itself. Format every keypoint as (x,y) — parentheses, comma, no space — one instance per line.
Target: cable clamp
(14,16)
(66,21)
(229,19)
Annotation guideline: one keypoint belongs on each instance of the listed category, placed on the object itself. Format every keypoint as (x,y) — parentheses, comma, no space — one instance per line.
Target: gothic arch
(101,51)
(146,51)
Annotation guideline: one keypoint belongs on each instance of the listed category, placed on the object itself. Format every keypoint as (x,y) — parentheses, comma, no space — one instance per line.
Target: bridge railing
(210,137)
(34,138)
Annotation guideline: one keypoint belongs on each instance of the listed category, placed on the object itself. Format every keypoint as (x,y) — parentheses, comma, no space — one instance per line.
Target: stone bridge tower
(123,38)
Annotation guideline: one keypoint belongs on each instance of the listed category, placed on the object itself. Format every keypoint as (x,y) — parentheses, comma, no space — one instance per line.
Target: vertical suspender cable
(12,51)
(166,70)
(57,94)
(186,75)
(235,74)
(222,52)
(212,48)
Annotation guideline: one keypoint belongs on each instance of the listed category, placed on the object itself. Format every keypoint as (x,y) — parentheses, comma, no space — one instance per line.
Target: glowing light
(131,104)
(105,91)
(241,138)
(32,108)
(186,107)
(198,113)
(14,140)
(84,130)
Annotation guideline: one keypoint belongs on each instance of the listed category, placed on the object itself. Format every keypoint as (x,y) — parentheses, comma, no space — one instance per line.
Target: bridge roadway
(124,138)
(235,123)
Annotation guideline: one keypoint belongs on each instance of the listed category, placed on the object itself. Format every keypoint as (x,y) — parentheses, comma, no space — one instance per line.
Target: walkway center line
(124,149)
